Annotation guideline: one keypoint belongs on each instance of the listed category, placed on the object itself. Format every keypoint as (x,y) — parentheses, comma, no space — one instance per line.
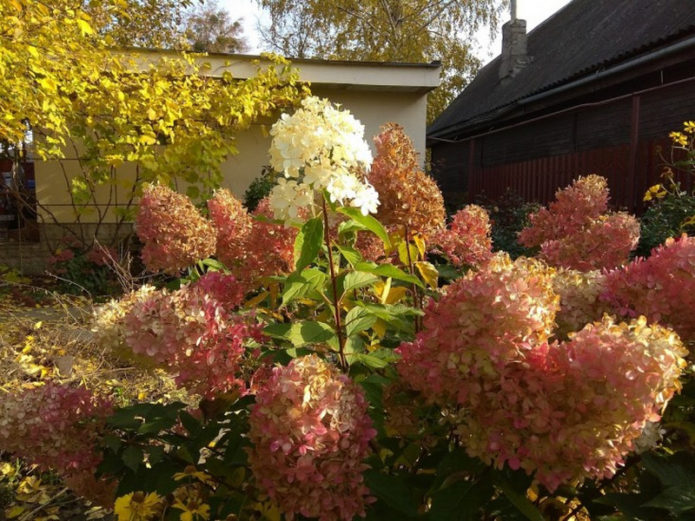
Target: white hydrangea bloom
(288,197)
(322,148)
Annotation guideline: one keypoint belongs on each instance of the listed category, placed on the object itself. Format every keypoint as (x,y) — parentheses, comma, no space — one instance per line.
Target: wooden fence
(538,179)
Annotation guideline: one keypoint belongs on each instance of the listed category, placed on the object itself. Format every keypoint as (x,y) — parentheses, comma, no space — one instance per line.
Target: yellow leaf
(395,294)
(147,139)
(38,325)
(428,273)
(85,27)
(379,328)
(420,243)
(252,303)
(14,511)
(403,253)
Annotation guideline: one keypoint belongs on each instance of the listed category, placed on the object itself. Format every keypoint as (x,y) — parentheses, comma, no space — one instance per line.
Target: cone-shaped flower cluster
(407,196)
(574,230)
(174,234)
(192,332)
(661,287)
(482,323)
(466,241)
(58,427)
(234,226)
(310,432)
(563,410)
(320,147)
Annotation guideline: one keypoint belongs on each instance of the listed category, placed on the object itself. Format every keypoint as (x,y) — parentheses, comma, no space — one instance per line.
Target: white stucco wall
(375,94)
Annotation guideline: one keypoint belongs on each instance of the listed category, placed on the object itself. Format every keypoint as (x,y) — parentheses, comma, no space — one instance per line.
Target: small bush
(259,189)
(509,215)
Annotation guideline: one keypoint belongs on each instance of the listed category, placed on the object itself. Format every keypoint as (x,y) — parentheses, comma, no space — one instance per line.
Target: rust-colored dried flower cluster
(407,195)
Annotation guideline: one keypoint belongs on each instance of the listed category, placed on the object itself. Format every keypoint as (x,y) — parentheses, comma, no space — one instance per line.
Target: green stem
(416,294)
(334,283)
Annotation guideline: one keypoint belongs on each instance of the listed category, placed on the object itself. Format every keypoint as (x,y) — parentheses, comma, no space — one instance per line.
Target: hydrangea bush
(333,376)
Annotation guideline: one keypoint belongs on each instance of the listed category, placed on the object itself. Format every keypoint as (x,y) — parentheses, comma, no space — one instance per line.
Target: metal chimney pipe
(513,9)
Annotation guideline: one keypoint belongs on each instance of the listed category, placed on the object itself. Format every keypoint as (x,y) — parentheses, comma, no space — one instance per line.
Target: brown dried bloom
(407,195)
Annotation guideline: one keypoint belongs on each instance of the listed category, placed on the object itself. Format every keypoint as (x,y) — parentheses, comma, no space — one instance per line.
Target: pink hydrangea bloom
(252,247)
(563,411)
(466,241)
(192,332)
(574,230)
(42,425)
(270,250)
(661,287)
(310,433)
(174,234)
(480,325)
(234,227)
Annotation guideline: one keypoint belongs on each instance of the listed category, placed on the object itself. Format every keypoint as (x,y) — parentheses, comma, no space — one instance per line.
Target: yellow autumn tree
(61,78)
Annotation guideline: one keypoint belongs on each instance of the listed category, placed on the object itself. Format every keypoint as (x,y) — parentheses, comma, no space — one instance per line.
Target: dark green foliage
(664,219)
(259,188)
(508,216)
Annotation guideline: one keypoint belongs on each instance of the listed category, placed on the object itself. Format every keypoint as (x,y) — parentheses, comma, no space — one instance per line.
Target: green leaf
(358,319)
(369,360)
(393,490)
(389,270)
(302,332)
(299,284)
(520,502)
(358,279)
(677,475)
(458,501)
(214,265)
(351,255)
(191,424)
(132,457)
(368,223)
(308,243)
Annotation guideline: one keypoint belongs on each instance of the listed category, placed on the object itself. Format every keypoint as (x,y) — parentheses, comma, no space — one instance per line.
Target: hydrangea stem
(336,300)
(417,299)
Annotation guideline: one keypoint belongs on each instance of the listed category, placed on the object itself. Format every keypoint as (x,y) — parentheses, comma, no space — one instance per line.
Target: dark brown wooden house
(596,88)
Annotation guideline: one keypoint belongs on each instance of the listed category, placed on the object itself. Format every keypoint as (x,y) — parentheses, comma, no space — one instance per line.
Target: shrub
(259,188)
(509,214)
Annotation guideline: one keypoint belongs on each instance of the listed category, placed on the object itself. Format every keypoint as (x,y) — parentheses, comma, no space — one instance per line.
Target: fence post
(632,162)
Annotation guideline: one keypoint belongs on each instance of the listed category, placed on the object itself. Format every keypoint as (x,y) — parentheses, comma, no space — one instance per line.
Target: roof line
(429,65)
(645,58)
(563,111)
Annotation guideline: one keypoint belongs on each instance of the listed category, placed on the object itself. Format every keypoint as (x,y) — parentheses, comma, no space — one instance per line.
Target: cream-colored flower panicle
(320,147)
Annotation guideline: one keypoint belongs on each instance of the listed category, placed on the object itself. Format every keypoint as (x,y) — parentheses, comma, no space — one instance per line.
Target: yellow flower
(138,506)
(679,138)
(191,472)
(192,506)
(655,192)
(689,127)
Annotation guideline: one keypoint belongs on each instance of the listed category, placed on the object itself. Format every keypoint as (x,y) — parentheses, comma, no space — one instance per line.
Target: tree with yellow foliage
(60,77)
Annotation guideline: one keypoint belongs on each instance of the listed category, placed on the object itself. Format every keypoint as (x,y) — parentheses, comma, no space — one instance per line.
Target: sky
(533,11)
